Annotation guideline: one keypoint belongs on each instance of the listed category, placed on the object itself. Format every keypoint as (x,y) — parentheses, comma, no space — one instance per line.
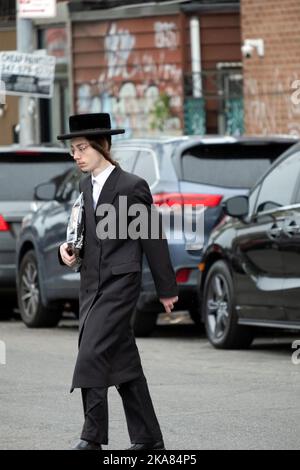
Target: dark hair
(97,145)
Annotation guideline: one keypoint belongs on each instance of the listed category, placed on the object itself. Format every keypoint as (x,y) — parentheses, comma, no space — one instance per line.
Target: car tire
(33,313)
(219,312)
(143,323)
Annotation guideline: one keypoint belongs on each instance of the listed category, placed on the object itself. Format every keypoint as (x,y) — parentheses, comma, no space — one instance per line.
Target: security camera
(250,45)
(247,50)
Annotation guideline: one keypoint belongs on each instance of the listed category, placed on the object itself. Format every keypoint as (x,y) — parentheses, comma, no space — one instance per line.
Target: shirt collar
(103,174)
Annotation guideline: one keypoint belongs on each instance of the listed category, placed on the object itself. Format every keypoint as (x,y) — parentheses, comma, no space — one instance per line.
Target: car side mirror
(237,206)
(45,192)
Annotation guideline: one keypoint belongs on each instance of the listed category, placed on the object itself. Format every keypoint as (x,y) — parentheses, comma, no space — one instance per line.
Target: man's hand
(68,258)
(168,303)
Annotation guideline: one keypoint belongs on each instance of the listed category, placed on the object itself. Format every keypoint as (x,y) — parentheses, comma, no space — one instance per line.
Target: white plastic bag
(75,229)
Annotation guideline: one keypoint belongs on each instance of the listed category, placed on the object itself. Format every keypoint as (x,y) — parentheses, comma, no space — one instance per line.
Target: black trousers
(141,420)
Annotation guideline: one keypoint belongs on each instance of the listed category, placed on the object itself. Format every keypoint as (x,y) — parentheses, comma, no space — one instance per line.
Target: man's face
(86,157)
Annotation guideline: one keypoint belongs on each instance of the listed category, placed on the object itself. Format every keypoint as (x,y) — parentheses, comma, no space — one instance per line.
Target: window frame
(69,176)
(155,164)
(121,148)
(296,189)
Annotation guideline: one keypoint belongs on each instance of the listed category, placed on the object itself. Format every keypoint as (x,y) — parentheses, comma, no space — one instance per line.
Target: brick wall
(268,81)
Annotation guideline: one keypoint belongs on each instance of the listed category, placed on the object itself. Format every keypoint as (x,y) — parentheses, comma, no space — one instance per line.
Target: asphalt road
(204,398)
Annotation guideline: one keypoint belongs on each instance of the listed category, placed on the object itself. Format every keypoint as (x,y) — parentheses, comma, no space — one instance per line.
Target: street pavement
(204,398)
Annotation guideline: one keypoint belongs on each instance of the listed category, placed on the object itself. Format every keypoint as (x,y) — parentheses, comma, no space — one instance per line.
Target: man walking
(109,289)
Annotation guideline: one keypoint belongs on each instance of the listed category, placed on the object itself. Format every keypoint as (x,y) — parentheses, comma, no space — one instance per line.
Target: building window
(7,10)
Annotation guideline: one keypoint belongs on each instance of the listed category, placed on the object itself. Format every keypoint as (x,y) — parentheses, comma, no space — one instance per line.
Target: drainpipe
(27,104)
(196,56)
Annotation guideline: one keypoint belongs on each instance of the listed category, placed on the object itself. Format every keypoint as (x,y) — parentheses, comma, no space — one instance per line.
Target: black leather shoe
(86,445)
(159,445)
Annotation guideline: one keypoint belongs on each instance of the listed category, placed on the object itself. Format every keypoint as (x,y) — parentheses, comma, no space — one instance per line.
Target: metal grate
(218,90)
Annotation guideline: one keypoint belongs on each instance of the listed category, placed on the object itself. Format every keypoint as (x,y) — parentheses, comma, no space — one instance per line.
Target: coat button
(87,291)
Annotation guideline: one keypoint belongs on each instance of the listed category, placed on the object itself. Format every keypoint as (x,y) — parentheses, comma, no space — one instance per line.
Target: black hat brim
(90,132)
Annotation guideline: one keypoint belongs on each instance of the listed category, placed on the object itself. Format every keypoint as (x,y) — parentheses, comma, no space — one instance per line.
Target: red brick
(267,80)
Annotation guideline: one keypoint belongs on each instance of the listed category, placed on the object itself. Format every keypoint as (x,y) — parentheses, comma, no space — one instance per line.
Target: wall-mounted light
(250,45)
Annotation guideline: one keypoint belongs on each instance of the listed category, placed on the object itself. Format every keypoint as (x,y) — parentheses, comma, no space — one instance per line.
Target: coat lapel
(87,189)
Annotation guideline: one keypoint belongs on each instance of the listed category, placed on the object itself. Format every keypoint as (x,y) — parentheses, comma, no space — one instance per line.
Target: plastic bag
(75,230)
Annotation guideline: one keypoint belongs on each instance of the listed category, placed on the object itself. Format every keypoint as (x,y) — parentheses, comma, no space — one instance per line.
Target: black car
(250,271)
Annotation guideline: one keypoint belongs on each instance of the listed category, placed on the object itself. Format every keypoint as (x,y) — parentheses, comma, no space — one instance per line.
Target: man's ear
(106,142)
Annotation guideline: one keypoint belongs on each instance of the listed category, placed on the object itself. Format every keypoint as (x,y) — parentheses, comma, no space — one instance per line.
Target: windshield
(230,165)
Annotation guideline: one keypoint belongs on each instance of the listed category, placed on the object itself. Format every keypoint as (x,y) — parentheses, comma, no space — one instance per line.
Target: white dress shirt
(99,181)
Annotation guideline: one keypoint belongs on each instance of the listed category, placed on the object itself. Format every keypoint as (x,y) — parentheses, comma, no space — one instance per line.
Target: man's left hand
(168,303)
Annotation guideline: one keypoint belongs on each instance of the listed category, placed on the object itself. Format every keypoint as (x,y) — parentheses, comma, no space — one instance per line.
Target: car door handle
(274,231)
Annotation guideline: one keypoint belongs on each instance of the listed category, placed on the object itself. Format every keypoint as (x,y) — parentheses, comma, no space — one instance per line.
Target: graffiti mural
(137,68)
(166,35)
(118,46)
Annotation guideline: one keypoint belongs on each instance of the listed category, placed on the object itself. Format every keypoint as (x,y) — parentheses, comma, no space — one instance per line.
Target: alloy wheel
(30,290)
(217,305)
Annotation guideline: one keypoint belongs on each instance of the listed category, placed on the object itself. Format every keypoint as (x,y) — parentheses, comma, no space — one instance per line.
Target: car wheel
(143,323)
(34,314)
(221,320)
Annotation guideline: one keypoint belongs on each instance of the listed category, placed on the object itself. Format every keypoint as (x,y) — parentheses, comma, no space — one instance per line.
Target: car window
(20,174)
(125,157)
(252,199)
(145,167)
(278,187)
(69,189)
(229,165)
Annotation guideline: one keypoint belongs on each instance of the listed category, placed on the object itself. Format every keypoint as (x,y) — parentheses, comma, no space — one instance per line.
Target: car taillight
(183,275)
(207,200)
(4,227)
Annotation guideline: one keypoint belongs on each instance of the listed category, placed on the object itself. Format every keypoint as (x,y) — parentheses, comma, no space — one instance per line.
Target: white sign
(36,8)
(27,74)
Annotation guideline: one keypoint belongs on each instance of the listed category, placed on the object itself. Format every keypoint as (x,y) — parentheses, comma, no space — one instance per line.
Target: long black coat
(110,286)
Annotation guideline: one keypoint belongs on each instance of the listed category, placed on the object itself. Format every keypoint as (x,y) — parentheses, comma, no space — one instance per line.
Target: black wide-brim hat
(90,125)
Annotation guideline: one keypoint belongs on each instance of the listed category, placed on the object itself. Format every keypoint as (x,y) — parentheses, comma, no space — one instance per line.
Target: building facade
(169,67)
(164,68)
(51,35)
(136,62)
